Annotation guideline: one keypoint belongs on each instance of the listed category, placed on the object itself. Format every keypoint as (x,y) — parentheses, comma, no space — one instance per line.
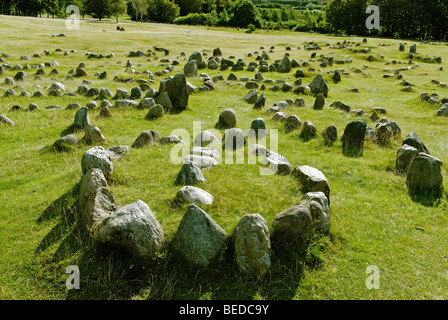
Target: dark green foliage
(204,19)
(97,8)
(416,19)
(244,13)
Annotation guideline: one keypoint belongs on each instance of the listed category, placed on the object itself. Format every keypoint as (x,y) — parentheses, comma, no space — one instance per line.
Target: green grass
(374,220)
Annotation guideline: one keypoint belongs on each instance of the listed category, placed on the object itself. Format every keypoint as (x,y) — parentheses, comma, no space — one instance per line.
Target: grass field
(374,221)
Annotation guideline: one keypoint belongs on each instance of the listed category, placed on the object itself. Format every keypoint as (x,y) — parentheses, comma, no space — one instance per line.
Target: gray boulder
(319,208)
(134,228)
(330,134)
(146,138)
(353,139)
(189,175)
(93,135)
(318,85)
(193,195)
(81,119)
(311,180)
(285,65)
(292,123)
(292,229)
(199,240)
(309,131)
(424,174)
(251,97)
(126,103)
(177,90)
(97,157)
(319,103)
(252,245)
(202,162)
(204,151)
(413,140)
(227,119)
(191,69)
(63,143)
(154,112)
(405,154)
(443,111)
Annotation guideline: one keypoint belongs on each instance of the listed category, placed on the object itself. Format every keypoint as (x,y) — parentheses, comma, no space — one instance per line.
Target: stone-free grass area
(374,220)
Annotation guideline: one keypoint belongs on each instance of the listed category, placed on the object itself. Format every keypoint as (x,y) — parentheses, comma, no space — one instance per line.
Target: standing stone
(81,119)
(251,97)
(20,76)
(146,138)
(227,119)
(97,157)
(336,76)
(189,174)
(136,93)
(164,100)
(134,228)
(292,123)
(405,154)
(285,65)
(278,164)
(413,49)
(308,131)
(318,85)
(93,135)
(260,102)
(383,134)
(177,90)
(155,112)
(252,245)
(199,240)
(299,102)
(258,127)
(401,47)
(424,174)
(319,208)
(121,94)
(292,229)
(319,102)
(196,56)
(80,72)
(413,140)
(105,113)
(191,69)
(330,134)
(311,180)
(443,111)
(353,138)
(217,52)
(96,202)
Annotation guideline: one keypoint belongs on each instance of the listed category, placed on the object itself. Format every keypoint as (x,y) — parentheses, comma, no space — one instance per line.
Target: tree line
(417,19)
(413,19)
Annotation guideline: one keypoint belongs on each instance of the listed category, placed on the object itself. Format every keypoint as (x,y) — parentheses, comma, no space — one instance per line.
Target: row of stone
(198,240)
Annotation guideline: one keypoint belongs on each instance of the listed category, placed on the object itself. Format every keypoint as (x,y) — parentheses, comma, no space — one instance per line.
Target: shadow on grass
(429,198)
(109,273)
